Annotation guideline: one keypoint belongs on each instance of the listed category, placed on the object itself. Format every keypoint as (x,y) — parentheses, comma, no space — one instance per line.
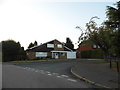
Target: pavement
(98,74)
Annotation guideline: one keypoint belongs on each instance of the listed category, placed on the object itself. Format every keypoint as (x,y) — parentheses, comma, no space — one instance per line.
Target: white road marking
(49,74)
(32,69)
(24,68)
(36,71)
(64,76)
(42,71)
(28,68)
(55,74)
(59,76)
(72,80)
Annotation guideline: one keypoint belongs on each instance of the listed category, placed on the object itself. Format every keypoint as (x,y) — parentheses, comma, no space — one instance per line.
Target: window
(59,45)
(98,46)
(41,54)
(94,46)
(63,54)
(50,45)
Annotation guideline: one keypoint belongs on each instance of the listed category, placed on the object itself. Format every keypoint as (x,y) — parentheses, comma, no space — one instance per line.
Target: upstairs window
(50,45)
(59,45)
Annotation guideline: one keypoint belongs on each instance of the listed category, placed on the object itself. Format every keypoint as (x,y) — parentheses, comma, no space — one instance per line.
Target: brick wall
(31,55)
(56,48)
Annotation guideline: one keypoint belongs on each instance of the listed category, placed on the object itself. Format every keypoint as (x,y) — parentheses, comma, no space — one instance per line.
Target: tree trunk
(106,55)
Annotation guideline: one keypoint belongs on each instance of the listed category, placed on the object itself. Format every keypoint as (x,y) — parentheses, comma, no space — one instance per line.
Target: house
(86,46)
(53,49)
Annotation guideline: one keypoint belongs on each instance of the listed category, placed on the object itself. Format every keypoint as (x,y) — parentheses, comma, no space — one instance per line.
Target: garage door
(71,55)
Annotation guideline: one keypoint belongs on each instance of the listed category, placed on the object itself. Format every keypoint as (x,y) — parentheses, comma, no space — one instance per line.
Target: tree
(113,15)
(35,43)
(10,50)
(31,45)
(69,43)
(22,54)
(99,35)
(113,23)
(107,35)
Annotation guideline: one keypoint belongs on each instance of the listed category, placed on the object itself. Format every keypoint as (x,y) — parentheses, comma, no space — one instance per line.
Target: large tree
(99,35)
(106,36)
(113,23)
(113,15)
(69,43)
(12,50)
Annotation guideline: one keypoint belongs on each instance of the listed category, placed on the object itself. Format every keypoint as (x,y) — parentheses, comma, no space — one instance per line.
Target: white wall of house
(71,55)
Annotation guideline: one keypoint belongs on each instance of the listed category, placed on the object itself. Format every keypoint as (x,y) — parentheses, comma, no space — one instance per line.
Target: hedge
(96,54)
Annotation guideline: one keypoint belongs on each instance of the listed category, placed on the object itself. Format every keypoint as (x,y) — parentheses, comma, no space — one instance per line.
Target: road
(41,75)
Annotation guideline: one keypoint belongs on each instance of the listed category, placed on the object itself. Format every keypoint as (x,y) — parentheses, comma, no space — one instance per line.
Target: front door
(56,55)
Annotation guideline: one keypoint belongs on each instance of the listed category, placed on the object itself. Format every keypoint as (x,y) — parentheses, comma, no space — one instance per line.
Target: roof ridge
(67,48)
(42,44)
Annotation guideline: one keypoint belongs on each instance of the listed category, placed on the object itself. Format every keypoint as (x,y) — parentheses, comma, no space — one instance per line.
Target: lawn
(100,62)
(114,66)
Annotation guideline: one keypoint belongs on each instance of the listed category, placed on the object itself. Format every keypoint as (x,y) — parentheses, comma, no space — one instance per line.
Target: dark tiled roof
(43,47)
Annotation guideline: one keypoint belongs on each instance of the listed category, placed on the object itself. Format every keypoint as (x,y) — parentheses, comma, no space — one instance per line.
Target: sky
(44,20)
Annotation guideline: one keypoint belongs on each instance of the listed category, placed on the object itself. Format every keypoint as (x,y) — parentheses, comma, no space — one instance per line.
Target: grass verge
(49,60)
(100,62)
(114,66)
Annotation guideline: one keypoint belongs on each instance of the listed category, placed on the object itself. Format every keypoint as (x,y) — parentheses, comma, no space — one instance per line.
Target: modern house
(53,49)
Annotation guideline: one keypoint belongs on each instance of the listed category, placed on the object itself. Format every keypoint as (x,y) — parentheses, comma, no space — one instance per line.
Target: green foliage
(113,15)
(12,50)
(95,54)
(107,35)
(113,23)
(35,43)
(69,43)
(31,45)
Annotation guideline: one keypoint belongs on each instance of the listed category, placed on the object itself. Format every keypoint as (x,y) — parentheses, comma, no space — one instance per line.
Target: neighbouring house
(86,49)
(53,49)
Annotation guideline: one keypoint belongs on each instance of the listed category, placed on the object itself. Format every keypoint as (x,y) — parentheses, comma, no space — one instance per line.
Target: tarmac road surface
(43,75)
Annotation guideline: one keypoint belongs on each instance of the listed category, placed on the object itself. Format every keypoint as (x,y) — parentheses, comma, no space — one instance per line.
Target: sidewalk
(98,74)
